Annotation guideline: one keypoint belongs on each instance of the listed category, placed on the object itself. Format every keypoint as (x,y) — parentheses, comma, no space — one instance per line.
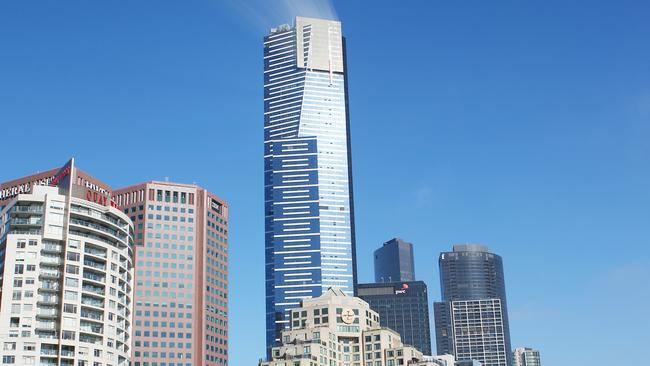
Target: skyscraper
(394,262)
(402,307)
(526,357)
(472,319)
(66,271)
(181,274)
(309,212)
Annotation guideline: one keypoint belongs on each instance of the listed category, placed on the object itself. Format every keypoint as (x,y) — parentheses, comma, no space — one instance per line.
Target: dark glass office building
(394,262)
(472,318)
(403,307)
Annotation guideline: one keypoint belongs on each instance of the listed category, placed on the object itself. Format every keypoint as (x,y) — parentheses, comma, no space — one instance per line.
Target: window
(72,256)
(69,308)
(71,282)
(8,359)
(72,269)
(9,346)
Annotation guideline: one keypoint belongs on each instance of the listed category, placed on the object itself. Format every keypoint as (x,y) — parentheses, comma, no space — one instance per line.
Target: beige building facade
(340,330)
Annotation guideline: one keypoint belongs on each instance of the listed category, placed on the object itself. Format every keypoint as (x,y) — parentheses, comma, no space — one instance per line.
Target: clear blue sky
(523,125)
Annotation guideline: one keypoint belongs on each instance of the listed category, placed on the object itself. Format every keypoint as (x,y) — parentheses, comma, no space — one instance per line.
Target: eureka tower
(309,212)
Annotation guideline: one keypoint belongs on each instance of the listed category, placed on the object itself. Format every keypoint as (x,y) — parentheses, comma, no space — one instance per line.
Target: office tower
(66,267)
(181,274)
(309,212)
(472,318)
(403,307)
(337,329)
(526,357)
(394,262)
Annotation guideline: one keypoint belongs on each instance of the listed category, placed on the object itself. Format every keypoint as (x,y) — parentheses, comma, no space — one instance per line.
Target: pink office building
(181,274)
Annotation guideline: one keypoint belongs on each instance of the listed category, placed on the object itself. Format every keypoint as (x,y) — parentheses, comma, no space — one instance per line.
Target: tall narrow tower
(309,212)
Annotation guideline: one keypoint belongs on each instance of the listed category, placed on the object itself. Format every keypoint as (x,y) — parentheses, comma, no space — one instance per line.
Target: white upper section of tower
(319,44)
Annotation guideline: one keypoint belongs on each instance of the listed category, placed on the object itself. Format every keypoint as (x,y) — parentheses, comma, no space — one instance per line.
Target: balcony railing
(21,221)
(49,273)
(48,312)
(45,325)
(51,260)
(94,277)
(92,315)
(93,289)
(49,352)
(50,286)
(92,302)
(48,247)
(48,299)
(32,209)
(95,252)
(96,265)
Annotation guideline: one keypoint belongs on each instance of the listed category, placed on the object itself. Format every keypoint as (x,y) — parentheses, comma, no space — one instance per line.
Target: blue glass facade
(309,227)
(402,307)
(394,262)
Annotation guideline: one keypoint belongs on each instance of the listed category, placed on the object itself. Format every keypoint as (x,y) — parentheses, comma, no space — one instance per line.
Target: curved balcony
(48,273)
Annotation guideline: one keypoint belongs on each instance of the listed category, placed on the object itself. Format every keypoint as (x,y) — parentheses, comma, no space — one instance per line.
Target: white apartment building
(66,274)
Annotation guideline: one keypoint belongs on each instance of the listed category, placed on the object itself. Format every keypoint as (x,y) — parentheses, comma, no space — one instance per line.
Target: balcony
(101,228)
(51,300)
(87,338)
(96,265)
(31,221)
(47,273)
(30,209)
(95,315)
(25,232)
(94,277)
(91,328)
(50,286)
(51,260)
(95,252)
(53,248)
(92,302)
(45,325)
(94,289)
(47,313)
(49,352)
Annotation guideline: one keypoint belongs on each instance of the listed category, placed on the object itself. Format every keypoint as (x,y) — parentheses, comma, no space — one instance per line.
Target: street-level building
(403,307)
(336,329)
(66,272)
(526,357)
(181,274)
